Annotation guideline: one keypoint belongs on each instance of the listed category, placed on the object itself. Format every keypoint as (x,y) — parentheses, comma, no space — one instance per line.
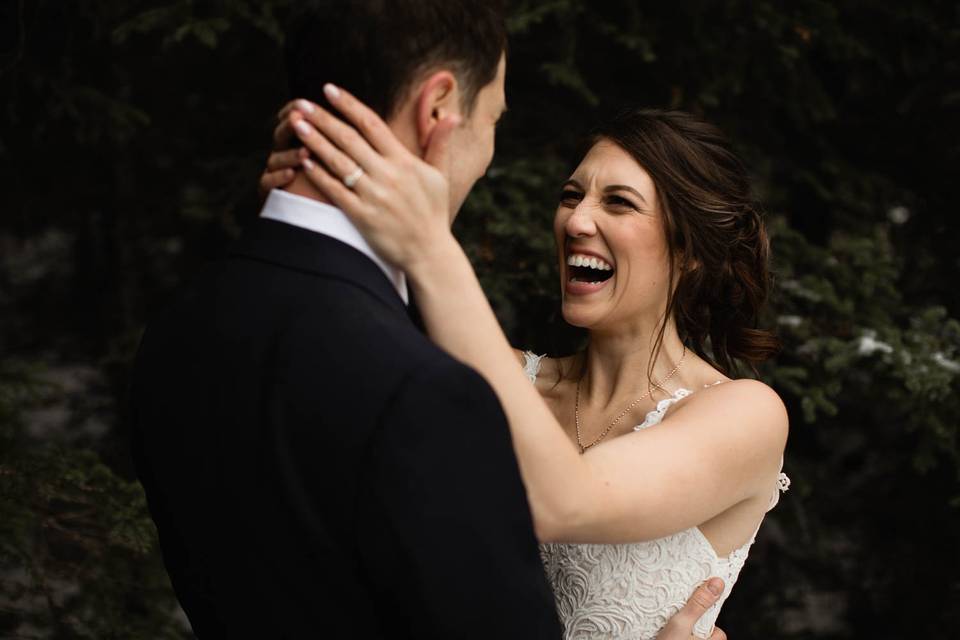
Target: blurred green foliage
(131,140)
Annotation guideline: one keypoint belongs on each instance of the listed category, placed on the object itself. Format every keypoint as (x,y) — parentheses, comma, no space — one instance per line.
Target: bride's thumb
(438,145)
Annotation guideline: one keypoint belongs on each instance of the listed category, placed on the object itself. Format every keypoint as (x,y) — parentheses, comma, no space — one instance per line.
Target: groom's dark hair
(377,48)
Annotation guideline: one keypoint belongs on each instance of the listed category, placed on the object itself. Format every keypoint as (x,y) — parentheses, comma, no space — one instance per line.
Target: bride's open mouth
(587,273)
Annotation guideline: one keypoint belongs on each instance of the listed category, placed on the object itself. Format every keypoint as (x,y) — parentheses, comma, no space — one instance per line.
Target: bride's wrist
(434,258)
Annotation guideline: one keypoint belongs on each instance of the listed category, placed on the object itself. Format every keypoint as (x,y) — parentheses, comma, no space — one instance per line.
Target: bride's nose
(581,224)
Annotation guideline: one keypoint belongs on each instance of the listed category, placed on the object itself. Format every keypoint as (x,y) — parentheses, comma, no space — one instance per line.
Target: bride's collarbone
(558,389)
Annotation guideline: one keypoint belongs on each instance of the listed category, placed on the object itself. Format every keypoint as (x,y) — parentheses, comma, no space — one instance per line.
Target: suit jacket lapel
(299,249)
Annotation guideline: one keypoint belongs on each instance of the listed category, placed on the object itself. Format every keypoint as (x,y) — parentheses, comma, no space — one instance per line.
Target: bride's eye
(569,197)
(617,201)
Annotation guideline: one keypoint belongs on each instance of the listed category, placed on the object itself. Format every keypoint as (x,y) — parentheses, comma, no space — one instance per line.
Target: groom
(315,466)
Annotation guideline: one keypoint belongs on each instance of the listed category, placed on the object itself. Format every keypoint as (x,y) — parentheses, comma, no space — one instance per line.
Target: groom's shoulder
(364,332)
(310,321)
(358,330)
(361,354)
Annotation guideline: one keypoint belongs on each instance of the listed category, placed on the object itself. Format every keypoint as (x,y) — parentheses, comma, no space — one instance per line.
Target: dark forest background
(132,136)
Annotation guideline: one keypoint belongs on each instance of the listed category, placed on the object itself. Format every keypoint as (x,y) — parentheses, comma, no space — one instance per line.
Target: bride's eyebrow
(572,183)
(623,187)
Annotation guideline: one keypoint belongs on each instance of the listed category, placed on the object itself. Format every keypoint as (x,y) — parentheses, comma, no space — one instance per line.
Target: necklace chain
(656,385)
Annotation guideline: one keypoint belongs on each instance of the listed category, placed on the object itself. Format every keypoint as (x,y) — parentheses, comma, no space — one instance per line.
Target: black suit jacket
(316,467)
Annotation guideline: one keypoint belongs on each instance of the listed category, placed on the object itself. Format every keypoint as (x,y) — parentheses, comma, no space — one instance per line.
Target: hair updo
(718,246)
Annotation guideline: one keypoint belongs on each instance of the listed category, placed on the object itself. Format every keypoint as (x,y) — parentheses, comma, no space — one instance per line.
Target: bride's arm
(716,453)
(459,319)
(641,487)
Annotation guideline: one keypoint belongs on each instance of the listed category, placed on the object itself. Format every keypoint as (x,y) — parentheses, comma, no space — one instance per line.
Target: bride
(649,468)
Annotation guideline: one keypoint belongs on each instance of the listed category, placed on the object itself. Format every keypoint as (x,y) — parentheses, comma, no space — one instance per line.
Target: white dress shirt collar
(326,219)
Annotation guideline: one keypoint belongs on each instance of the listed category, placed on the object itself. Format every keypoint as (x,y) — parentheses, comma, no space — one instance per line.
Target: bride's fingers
(366,120)
(339,163)
(283,134)
(275,179)
(344,198)
(290,159)
(302,105)
(340,134)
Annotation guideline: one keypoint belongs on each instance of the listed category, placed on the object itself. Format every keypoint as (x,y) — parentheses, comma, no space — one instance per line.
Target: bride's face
(608,222)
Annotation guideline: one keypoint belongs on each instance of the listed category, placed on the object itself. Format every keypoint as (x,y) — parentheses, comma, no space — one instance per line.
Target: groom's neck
(301,186)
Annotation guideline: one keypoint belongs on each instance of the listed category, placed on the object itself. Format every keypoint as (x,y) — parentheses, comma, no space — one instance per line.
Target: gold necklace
(576,408)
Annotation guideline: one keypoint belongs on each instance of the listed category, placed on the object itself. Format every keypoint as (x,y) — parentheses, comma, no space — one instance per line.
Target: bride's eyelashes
(569,197)
(617,201)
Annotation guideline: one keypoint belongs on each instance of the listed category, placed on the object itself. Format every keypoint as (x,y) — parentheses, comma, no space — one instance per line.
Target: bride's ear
(438,98)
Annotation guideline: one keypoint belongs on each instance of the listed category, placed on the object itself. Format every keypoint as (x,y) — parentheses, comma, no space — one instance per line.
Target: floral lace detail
(630,591)
(656,416)
(531,365)
(783,482)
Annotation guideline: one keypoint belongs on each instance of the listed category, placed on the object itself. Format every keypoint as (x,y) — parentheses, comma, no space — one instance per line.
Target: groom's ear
(439,97)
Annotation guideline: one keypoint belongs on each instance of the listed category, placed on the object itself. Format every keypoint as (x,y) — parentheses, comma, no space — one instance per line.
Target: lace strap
(656,416)
(532,363)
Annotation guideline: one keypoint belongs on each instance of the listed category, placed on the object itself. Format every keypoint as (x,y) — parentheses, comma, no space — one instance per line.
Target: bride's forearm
(460,320)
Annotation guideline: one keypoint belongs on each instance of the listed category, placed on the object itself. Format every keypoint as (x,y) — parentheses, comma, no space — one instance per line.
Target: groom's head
(414,62)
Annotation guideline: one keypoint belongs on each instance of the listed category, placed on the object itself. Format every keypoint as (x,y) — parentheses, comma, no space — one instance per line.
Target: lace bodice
(629,591)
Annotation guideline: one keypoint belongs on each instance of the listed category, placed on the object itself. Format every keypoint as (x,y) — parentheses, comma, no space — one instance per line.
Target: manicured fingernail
(715,585)
(303,127)
(308,164)
(331,91)
(305,106)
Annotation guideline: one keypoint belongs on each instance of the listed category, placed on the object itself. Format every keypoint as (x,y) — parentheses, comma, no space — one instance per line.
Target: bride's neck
(617,364)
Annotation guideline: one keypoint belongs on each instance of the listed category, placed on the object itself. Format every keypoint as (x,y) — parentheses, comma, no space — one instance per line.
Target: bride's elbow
(557,522)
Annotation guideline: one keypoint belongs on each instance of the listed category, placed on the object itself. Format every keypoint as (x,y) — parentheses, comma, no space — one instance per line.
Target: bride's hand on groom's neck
(287,155)
(398,200)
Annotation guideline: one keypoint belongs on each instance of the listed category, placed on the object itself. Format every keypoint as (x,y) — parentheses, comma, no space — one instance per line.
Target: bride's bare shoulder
(746,404)
(750,392)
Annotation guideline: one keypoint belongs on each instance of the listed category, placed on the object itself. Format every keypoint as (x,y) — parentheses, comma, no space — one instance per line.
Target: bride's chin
(577,316)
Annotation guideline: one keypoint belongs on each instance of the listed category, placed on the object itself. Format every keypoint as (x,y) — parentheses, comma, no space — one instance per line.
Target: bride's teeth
(590,262)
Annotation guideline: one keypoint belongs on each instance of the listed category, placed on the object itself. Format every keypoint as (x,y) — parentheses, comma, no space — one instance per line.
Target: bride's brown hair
(718,245)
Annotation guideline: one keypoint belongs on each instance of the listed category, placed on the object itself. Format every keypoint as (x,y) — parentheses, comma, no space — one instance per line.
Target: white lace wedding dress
(629,591)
